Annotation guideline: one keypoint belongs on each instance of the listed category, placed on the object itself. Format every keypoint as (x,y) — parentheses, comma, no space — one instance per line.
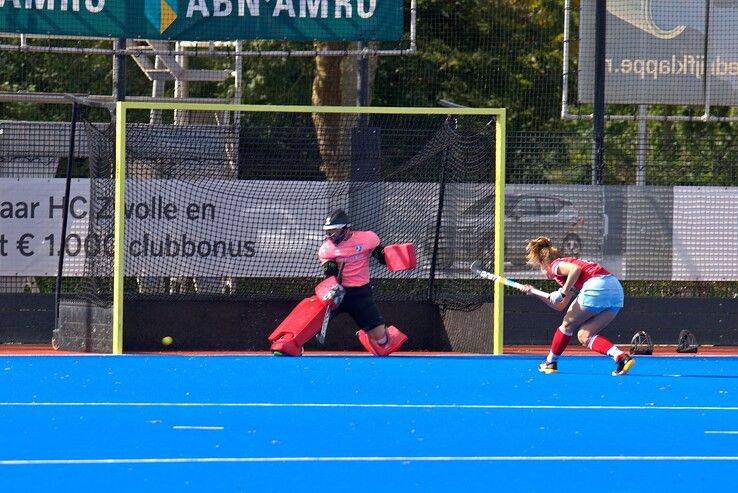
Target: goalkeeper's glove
(335,295)
(555,297)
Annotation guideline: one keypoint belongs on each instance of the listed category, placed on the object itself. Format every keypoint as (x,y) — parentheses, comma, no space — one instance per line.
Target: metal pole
(362,77)
(642,136)
(157,91)
(119,66)
(598,161)
(65,212)
(439,222)
(362,82)
(119,70)
(705,68)
(565,62)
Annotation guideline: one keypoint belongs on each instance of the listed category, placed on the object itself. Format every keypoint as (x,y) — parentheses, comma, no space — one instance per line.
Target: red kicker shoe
(395,340)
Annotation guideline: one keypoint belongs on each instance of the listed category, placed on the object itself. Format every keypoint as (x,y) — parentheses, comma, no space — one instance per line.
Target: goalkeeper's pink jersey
(589,270)
(354,252)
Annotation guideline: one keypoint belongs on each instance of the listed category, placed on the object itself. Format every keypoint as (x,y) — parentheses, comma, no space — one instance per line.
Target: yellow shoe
(548,367)
(623,366)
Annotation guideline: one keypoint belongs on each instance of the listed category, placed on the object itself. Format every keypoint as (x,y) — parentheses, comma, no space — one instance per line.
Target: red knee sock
(559,342)
(600,344)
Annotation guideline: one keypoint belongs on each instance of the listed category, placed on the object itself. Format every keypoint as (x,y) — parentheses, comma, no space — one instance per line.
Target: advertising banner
(181,228)
(663,52)
(172,228)
(208,20)
(31,212)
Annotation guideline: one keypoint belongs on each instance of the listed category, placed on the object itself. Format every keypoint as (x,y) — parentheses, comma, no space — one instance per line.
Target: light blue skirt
(600,294)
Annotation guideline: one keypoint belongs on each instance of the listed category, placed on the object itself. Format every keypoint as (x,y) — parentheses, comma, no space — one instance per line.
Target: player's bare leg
(588,336)
(573,319)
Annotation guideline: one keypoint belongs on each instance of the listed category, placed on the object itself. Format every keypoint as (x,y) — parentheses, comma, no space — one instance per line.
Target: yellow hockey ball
(166,341)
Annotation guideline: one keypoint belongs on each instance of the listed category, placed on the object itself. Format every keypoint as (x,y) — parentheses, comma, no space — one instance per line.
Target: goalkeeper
(345,253)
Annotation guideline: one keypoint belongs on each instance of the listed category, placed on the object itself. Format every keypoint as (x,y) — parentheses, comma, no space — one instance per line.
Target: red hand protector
(400,256)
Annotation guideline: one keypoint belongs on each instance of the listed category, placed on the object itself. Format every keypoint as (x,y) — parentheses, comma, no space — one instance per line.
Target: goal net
(210,202)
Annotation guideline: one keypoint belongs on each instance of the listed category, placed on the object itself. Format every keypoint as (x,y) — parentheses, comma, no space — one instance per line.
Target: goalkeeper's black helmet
(337,225)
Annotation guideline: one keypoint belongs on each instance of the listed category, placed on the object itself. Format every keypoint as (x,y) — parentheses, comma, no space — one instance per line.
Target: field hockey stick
(324,328)
(476,268)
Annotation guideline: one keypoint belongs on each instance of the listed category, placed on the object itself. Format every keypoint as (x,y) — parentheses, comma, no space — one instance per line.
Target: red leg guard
(366,341)
(395,340)
(301,325)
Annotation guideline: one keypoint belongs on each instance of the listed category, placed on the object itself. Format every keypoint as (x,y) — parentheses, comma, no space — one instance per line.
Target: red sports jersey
(589,270)
(354,252)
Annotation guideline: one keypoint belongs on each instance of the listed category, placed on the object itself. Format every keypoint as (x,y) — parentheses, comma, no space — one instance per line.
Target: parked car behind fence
(469,234)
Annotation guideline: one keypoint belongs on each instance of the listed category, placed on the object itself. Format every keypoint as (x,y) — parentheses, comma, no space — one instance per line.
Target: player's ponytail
(541,251)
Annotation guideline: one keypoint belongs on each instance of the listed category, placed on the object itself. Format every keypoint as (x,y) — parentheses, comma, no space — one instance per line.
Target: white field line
(338,405)
(492,458)
(192,427)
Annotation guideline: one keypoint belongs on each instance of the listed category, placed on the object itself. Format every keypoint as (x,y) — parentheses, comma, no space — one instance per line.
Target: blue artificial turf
(361,423)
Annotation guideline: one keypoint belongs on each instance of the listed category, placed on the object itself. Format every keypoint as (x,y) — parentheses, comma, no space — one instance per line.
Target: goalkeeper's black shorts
(359,304)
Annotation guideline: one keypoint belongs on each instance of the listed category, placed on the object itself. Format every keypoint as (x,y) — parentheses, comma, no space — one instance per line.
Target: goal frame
(498,115)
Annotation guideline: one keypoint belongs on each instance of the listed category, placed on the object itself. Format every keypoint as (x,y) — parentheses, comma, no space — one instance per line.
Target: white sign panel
(173,228)
(705,234)
(30,226)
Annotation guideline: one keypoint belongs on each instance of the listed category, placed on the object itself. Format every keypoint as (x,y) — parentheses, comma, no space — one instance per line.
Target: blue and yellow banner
(192,20)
